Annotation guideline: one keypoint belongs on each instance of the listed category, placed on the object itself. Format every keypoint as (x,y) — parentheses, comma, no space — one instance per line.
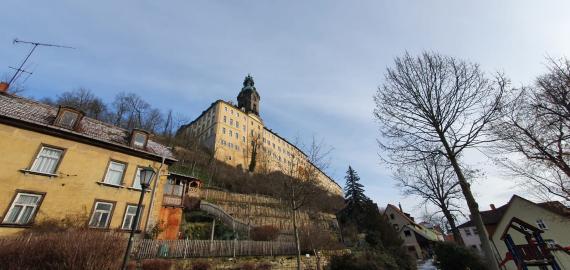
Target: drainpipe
(153,192)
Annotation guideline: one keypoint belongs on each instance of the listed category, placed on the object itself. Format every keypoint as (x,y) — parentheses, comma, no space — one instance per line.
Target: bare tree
(301,181)
(434,180)
(536,126)
(84,100)
(438,105)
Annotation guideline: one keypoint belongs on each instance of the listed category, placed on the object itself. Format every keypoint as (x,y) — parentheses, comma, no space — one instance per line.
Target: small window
(231,122)
(224,130)
(475,232)
(101,215)
(115,172)
(541,225)
(224,119)
(467,232)
(391,216)
(129,218)
(23,209)
(139,139)
(407,233)
(47,160)
(231,133)
(396,227)
(68,117)
(137,181)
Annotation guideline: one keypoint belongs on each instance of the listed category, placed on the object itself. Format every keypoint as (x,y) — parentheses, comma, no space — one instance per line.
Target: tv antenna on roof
(19,70)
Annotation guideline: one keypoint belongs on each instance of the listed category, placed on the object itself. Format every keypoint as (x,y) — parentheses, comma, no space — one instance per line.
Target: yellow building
(57,163)
(236,133)
(552,218)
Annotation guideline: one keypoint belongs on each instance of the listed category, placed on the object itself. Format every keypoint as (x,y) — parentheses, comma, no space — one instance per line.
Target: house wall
(74,191)
(472,240)
(171,218)
(558,229)
(410,242)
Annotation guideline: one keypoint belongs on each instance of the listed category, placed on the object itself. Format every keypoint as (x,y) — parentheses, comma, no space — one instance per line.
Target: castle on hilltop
(238,137)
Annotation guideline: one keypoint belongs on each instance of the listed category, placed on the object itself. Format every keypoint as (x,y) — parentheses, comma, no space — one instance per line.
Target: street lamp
(145,177)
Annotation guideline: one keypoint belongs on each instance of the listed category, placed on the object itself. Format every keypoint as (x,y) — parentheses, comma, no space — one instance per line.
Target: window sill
(50,175)
(101,229)
(138,189)
(14,225)
(109,185)
(136,231)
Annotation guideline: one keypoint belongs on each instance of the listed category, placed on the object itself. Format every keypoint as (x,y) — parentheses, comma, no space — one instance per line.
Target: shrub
(201,265)
(375,260)
(264,266)
(70,249)
(156,264)
(264,233)
(454,257)
(246,266)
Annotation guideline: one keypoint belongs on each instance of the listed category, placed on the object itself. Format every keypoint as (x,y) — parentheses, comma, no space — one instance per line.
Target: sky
(316,64)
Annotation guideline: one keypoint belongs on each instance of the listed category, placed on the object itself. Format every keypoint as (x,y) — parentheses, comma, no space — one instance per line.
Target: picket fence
(148,248)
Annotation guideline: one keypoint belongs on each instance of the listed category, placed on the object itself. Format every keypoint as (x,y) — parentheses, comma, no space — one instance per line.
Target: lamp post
(146,176)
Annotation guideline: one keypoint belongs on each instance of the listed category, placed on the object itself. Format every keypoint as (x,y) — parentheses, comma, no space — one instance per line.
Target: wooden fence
(148,248)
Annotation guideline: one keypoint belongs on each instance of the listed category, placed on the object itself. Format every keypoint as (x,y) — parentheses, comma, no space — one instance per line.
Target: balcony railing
(169,200)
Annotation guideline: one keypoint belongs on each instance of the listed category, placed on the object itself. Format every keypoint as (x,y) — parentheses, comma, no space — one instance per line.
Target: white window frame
(35,164)
(128,227)
(22,210)
(136,181)
(541,224)
(95,211)
(106,179)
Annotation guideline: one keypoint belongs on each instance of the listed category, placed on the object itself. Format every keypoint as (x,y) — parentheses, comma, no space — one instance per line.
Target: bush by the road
(454,257)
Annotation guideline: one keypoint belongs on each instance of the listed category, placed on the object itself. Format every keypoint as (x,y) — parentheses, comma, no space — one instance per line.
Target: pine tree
(353,190)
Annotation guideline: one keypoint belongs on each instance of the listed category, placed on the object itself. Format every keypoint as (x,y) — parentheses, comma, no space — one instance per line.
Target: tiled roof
(490,217)
(40,114)
(493,217)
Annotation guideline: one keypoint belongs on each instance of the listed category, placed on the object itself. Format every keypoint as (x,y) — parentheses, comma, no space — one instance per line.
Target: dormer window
(68,117)
(139,138)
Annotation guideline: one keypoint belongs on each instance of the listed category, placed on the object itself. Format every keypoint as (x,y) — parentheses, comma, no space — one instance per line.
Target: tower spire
(248,98)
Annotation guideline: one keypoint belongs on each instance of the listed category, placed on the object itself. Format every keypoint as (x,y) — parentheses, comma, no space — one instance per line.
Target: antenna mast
(19,70)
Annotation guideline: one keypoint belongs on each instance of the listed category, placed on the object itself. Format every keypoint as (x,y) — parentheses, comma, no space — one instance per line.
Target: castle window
(68,117)
(231,134)
(237,124)
(226,108)
(243,138)
(237,135)
(224,119)
(224,130)
(231,122)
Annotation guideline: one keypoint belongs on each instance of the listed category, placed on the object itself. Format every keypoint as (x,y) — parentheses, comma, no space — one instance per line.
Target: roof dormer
(68,117)
(139,138)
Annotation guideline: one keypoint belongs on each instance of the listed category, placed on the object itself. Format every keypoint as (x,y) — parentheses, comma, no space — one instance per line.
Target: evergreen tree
(353,190)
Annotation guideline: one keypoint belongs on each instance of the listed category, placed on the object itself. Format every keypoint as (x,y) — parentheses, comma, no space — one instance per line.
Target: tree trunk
(474,209)
(456,235)
(297,242)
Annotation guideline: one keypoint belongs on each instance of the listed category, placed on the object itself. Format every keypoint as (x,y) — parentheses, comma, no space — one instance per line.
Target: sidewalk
(426,265)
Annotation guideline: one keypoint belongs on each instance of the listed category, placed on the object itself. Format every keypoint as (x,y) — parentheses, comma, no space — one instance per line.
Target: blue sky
(316,64)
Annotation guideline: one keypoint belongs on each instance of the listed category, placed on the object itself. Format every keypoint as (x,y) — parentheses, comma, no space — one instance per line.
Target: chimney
(400,206)
(4,87)
(493,207)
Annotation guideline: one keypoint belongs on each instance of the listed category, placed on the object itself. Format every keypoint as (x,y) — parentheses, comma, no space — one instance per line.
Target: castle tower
(248,97)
